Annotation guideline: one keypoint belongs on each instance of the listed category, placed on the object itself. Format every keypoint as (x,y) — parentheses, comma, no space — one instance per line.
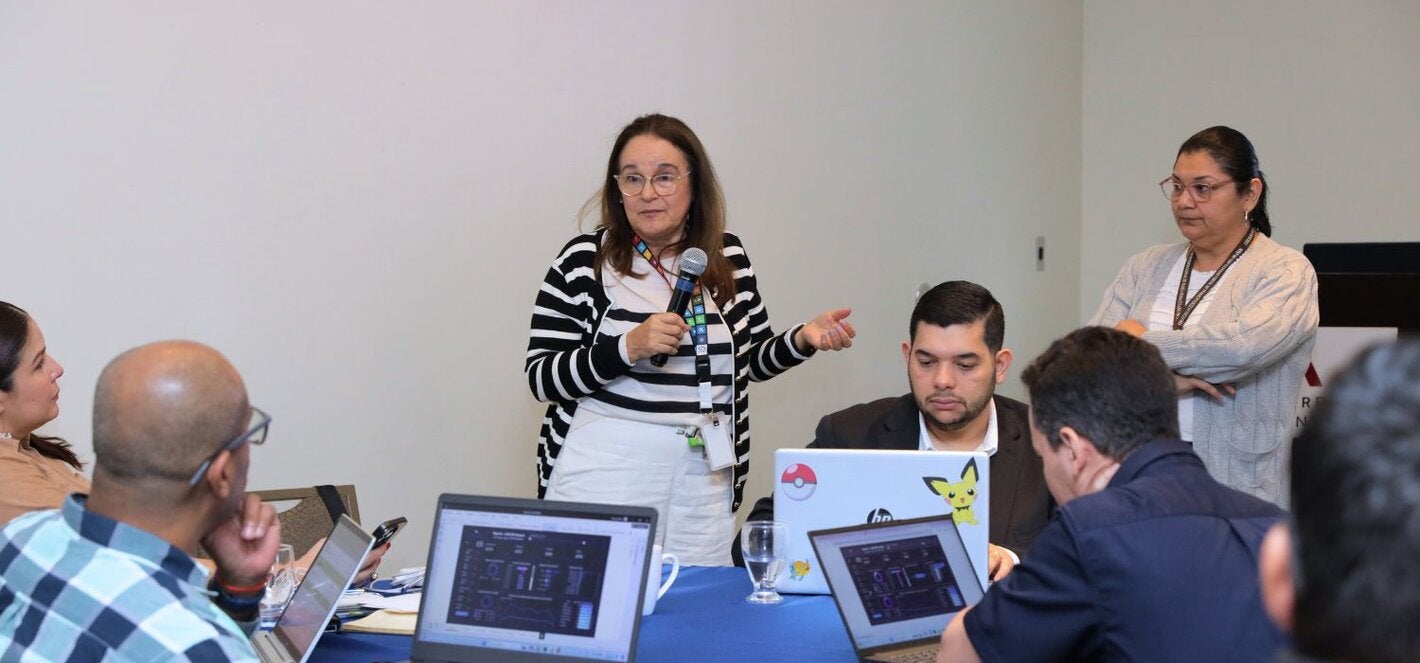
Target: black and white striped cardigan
(568,360)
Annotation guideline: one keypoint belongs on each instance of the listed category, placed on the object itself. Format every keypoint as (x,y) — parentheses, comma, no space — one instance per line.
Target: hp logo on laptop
(879,515)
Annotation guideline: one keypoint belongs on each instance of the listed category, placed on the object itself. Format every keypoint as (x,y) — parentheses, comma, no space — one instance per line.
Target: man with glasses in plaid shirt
(110,574)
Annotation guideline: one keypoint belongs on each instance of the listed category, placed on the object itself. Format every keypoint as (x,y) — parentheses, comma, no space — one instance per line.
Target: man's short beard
(973,411)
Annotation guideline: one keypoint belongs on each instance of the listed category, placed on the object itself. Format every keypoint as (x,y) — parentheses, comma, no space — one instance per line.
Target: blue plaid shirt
(75,585)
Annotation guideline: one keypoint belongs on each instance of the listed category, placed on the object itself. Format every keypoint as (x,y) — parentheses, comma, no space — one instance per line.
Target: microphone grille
(693,261)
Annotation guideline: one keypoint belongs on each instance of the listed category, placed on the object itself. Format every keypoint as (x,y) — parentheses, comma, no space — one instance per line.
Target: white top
(988,444)
(668,395)
(1161,319)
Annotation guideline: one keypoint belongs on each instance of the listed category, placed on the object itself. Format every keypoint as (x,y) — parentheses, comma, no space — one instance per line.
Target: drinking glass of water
(280,585)
(763,543)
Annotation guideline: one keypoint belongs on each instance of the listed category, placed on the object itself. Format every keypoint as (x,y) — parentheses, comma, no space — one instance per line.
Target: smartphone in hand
(387,530)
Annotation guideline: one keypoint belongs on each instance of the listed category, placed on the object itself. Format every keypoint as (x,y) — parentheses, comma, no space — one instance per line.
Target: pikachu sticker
(960,496)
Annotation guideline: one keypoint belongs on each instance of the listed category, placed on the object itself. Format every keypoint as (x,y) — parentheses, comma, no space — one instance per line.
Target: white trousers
(616,461)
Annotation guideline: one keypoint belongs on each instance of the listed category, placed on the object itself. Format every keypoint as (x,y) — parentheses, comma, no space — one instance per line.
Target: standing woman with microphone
(621,429)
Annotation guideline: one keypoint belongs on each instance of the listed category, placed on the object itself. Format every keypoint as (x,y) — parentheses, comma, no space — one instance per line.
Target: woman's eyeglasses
(1200,191)
(664,183)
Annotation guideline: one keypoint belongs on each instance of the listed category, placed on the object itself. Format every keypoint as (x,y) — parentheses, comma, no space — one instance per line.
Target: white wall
(1329,94)
(357,201)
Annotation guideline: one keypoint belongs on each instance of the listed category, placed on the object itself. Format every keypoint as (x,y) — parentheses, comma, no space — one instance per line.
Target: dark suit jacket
(1020,502)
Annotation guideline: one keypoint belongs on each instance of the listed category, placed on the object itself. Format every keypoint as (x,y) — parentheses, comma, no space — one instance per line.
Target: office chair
(314,513)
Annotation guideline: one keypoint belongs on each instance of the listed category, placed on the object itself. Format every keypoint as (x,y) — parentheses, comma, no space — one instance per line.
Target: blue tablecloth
(703,617)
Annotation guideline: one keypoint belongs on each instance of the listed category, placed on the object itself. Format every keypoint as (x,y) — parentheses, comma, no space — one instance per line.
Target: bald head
(160,409)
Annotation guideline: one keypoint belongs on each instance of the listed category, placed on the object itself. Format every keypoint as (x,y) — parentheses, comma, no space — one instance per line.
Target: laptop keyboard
(924,654)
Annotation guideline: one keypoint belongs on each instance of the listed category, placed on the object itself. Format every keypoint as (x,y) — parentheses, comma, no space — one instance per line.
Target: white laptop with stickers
(818,489)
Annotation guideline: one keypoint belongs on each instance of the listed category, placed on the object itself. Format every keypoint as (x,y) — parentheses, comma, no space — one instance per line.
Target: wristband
(239,608)
(239,603)
(240,589)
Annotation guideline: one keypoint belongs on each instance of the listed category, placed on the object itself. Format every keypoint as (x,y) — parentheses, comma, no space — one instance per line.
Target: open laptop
(301,625)
(897,584)
(533,580)
(827,488)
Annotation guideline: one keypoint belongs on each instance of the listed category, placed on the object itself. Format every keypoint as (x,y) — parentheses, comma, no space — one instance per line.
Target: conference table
(703,617)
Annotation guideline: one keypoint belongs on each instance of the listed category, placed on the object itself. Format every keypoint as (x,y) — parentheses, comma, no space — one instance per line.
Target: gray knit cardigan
(1256,333)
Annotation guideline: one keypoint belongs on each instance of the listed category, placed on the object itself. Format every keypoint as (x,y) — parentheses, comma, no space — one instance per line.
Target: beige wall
(1329,93)
(357,201)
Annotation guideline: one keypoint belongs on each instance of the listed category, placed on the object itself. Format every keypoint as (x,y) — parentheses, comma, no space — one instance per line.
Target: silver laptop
(897,584)
(533,580)
(826,488)
(301,625)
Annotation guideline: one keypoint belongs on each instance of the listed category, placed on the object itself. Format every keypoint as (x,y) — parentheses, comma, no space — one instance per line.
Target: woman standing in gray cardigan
(1233,313)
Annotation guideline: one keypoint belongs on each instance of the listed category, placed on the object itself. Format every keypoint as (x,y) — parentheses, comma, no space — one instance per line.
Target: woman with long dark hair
(36,471)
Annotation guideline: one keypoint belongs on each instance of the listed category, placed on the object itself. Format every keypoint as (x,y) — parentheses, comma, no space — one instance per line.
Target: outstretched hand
(243,547)
(829,331)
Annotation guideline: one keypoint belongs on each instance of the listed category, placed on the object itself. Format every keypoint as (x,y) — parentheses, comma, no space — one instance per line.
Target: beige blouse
(31,482)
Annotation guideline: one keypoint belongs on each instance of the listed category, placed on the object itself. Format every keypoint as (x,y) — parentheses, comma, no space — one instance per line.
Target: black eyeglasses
(254,435)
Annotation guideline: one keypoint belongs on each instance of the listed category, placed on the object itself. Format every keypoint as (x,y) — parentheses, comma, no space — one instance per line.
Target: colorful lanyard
(694,316)
(1182,310)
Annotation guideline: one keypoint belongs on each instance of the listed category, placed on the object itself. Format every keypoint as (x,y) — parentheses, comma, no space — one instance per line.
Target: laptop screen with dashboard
(899,582)
(534,580)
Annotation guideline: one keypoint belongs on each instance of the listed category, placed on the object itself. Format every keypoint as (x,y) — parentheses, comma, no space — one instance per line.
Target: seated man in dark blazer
(954,362)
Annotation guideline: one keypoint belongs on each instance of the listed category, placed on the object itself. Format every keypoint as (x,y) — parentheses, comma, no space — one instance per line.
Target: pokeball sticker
(798,482)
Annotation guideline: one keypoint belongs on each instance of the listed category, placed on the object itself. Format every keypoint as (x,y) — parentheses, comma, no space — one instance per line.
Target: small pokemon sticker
(798,482)
(799,570)
(960,495)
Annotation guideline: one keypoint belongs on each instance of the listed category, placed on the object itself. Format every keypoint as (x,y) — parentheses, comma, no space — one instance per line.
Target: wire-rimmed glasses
(256,434)
(1199,191)
(665,184)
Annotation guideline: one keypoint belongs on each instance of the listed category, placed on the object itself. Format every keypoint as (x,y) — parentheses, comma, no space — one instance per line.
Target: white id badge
(719,452)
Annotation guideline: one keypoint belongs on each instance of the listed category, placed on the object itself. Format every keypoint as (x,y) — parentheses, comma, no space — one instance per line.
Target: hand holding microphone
(660,334)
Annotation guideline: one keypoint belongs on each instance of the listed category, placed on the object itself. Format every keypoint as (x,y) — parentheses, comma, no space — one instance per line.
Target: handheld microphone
(692,265)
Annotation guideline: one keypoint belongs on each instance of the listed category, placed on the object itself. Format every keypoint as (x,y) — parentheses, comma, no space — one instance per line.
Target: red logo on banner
(1313,380)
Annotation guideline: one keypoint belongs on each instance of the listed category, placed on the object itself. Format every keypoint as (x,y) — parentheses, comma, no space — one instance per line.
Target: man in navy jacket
(1148,557)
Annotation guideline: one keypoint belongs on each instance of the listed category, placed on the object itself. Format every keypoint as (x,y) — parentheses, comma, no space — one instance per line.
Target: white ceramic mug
(655,591)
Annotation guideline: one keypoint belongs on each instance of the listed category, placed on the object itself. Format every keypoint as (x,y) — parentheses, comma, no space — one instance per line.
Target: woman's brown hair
(705,225)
